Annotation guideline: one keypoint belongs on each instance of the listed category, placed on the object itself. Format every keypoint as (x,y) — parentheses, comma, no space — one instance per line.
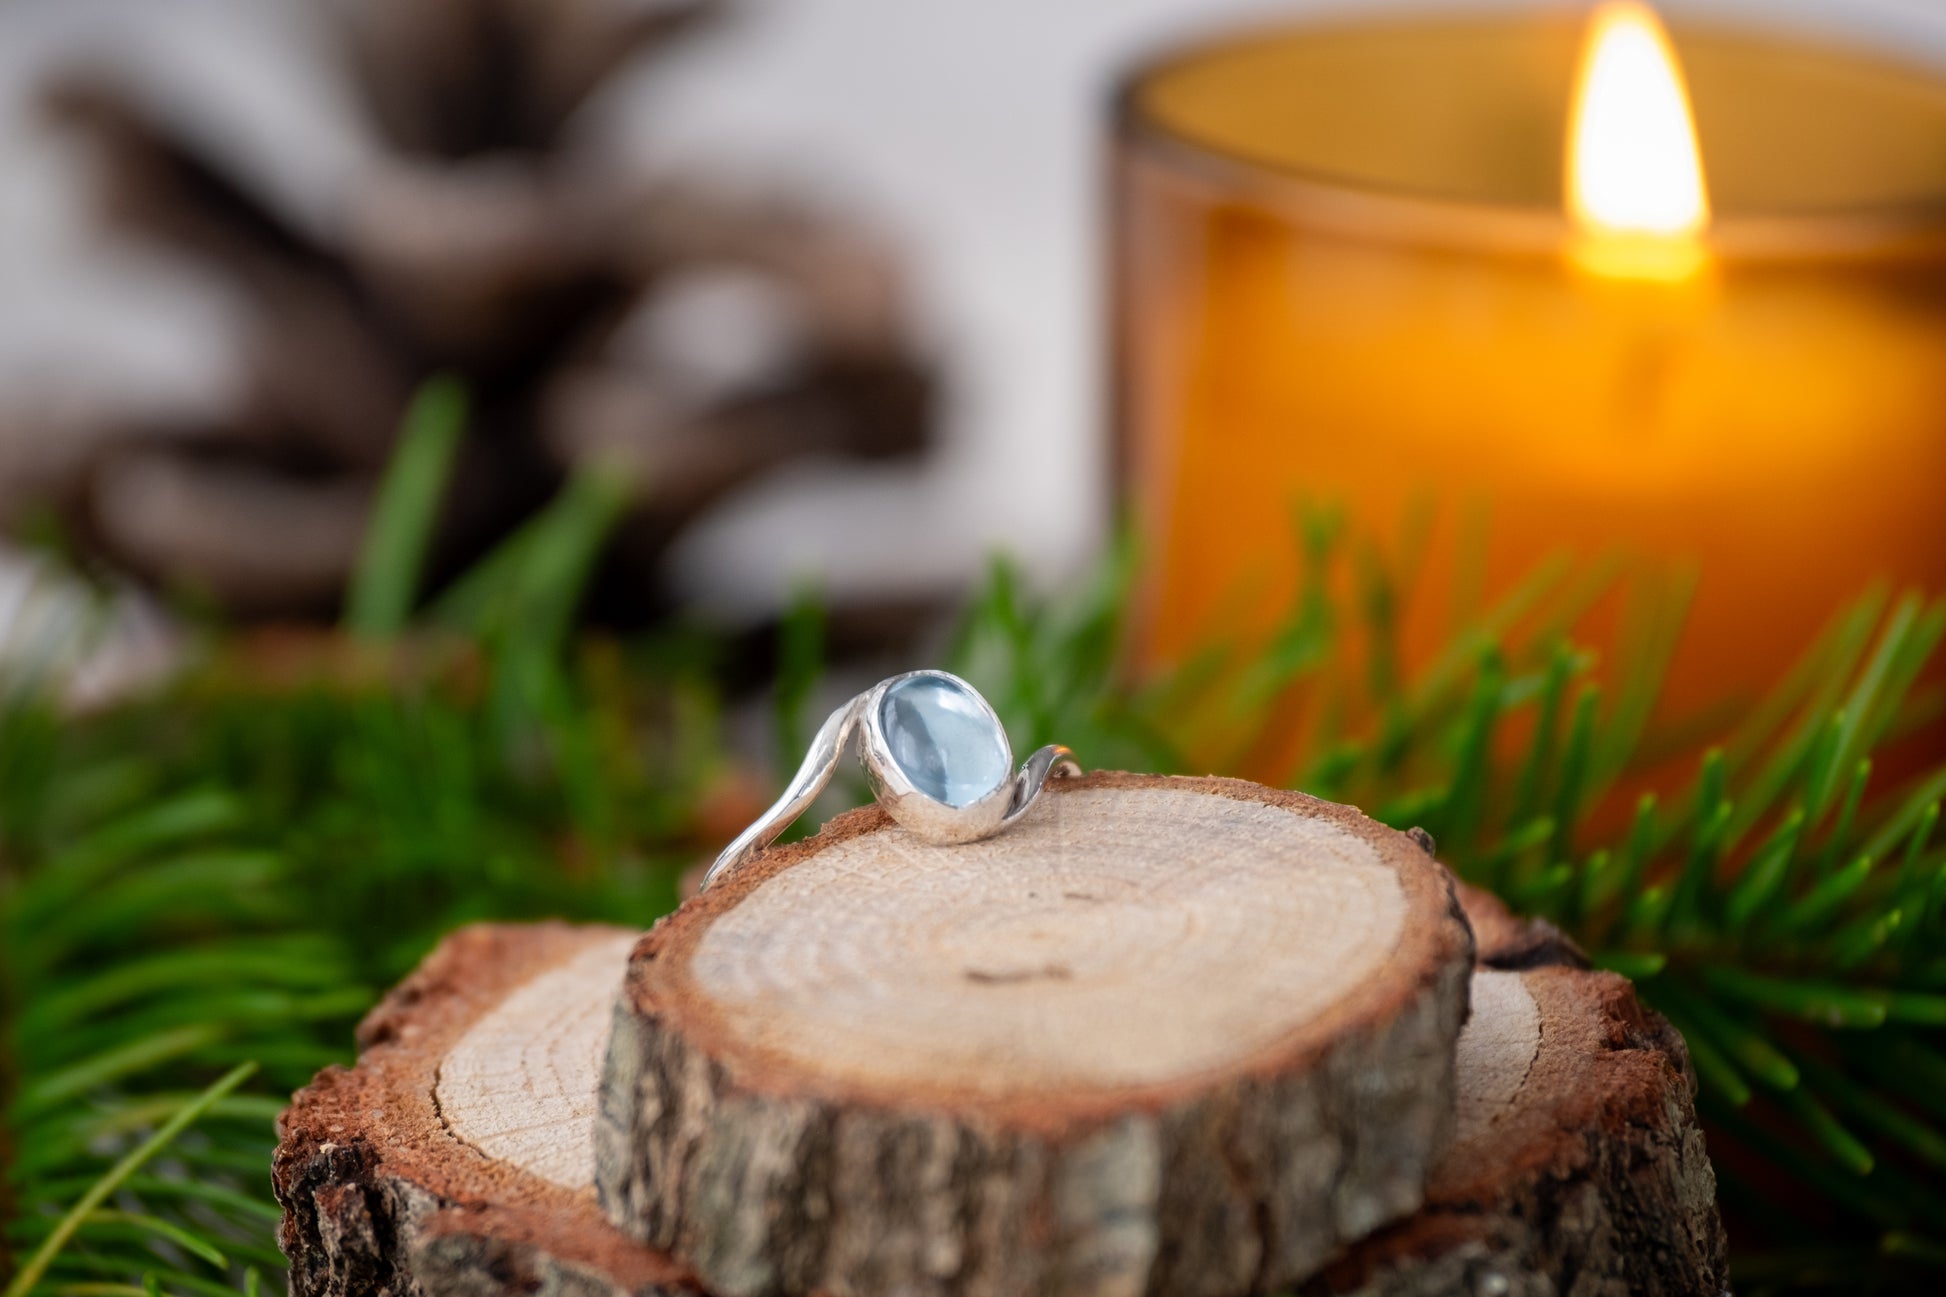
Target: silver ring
(937,757)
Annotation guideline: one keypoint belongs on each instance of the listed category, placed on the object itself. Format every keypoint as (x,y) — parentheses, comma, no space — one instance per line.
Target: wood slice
(457,1157)
(1163,1035)
(1578,1167)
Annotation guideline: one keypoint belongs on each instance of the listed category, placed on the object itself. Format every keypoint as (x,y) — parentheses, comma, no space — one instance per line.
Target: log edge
(1434,938)
(380,1197)
(768,1181)
(1609,1180)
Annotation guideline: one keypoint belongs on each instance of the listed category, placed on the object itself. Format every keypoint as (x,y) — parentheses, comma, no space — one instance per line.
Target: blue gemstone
(943,739)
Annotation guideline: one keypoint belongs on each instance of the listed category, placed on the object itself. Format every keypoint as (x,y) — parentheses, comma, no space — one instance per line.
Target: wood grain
(1577,1168)
(1164,1035)
(382,1195)
(455,1158)
(515,1087)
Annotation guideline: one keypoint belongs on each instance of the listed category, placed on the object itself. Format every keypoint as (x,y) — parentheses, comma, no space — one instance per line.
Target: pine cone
(703,334)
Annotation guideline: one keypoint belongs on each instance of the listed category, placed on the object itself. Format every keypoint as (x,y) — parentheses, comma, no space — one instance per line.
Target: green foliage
(89,1210)
(394,553)
(224,874)
(1788,914)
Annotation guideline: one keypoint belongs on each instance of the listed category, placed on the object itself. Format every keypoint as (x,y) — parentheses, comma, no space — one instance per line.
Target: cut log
(1578,1167)
(1163,1035)
(457,1157)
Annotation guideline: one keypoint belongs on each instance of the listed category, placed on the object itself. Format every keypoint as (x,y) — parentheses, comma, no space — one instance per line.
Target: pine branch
(88,1209)
(226,873)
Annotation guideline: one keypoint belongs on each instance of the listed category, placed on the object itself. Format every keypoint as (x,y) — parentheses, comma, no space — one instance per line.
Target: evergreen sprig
(201,890)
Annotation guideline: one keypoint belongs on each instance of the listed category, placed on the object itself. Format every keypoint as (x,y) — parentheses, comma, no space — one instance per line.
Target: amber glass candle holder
(1344,274)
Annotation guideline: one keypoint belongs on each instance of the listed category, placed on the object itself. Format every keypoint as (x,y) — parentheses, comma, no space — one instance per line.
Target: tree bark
(456,1157)
(1578,1167)
(1183,1036)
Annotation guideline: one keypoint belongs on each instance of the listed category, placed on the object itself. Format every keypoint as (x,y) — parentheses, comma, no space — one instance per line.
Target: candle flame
(1635,173)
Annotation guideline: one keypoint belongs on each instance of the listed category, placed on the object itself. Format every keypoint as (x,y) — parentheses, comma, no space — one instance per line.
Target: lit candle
(1635,179)
(1356,264)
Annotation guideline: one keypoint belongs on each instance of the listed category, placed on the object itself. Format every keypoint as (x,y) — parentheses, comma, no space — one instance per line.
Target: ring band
(937,757)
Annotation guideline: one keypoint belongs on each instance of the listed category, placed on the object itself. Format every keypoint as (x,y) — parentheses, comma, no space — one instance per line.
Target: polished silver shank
(813,773)
(1054,759)
(913,808)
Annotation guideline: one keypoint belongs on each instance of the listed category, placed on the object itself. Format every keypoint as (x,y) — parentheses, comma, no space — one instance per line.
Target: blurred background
(830,270)
(731,342)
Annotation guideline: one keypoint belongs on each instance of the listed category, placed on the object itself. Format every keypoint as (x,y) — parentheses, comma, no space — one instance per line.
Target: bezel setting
(911,807)
(917,811)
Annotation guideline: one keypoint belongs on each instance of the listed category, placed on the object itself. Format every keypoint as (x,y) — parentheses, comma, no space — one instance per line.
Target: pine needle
(36,1265)
(391,564)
